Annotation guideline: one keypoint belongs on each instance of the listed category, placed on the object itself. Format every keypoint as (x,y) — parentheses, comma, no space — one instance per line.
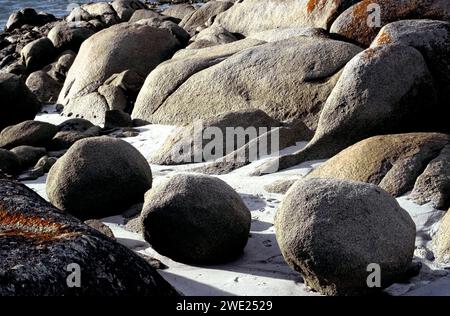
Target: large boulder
(288,80)
(42,248)
(204,16)
(31,133)
(187,144)
(391,161)
(250,16)
(179,11)
(18,103)
(28,155)
(441,240)
(98,177)
(332,230)
(44,87)
(433,185)
(125,47)
(383,90)
(38,54)
(125,8)
(432,39)
(195,219)
(70,35)
(27,16)
(211,36)
(361,24)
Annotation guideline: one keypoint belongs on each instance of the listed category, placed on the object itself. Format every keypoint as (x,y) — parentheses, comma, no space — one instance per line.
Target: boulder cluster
(368,94)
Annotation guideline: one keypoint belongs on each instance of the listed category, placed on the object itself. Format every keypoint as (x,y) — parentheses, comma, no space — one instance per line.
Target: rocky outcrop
(250,16)
(362,22)
(287,79)
(137,49)
(382,90)
(43,249)
(393,162)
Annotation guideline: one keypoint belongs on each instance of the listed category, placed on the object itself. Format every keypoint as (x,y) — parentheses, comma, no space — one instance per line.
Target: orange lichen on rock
(31,227)
(383,39)
(360,10)
(314,4)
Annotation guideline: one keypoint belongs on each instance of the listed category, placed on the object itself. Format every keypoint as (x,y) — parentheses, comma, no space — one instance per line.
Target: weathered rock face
(250,16)
(38,54)
(189,144)
(270,143)
(432,39)
(125,47)
(98,177)
(204,16)
(211,36)
(393,161)
(382,90)
(39,243)
(43,86)
(31,133)
(331,230)
(179,11)
(70,35)
(359,22)
(433,185)
(126,8)
(195,219)
(288,79)
(18,103)
(442,240)
(280,186)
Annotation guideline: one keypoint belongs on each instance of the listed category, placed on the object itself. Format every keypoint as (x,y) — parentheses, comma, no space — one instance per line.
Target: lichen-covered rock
(98,177)
(360,22)
(250,16)
(41,248)
(382,90)
(195,219)
(331,230)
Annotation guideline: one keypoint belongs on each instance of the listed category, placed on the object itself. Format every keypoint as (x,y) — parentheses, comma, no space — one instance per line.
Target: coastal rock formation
(195,219)
(362,22)
(136,48)
(393,162)
(41,248)
(98,177)
(31,133)
(332,230)
(288,80)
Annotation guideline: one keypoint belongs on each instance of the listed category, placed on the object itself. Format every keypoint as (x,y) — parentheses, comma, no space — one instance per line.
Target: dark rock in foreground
(38,243)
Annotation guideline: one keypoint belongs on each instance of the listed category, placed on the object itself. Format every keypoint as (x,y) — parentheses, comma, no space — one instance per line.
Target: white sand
(261,270)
